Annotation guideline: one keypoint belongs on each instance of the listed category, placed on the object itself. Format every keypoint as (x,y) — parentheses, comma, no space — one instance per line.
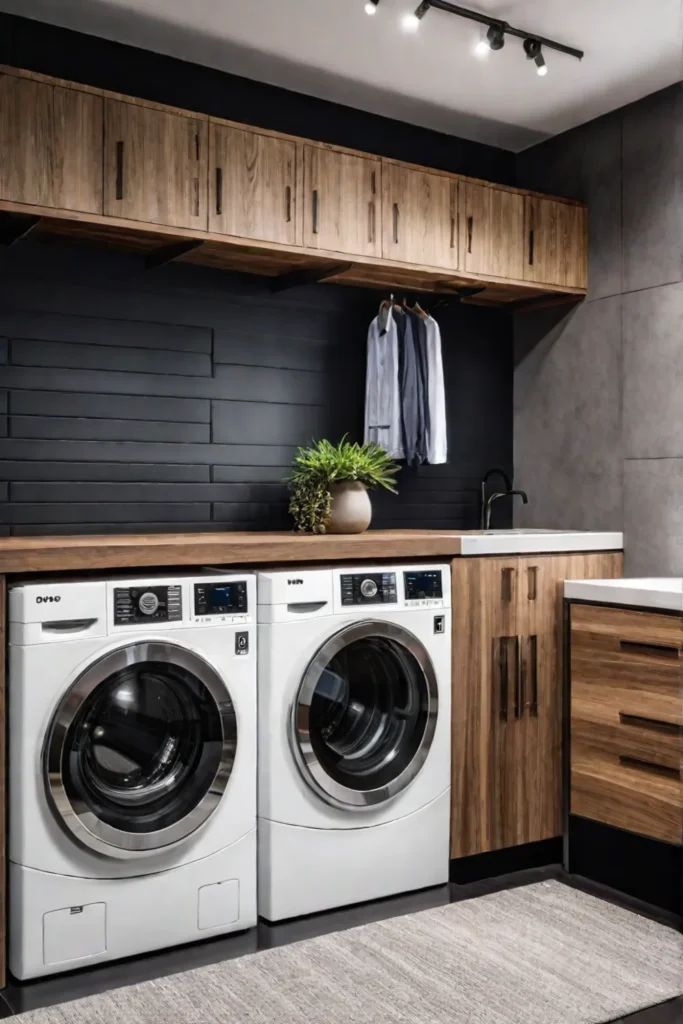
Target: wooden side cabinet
(419,216)
(556,242)
(50,145)
(155,165)
(507,696)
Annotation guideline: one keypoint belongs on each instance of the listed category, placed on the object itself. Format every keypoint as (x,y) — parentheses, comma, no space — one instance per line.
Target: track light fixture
(371,6)
(496,36)
(411,22)
(532,49)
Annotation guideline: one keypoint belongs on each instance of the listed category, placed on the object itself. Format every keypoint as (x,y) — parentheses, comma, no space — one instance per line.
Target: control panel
(368,588)
(224,601)
(147,604)
(423,588)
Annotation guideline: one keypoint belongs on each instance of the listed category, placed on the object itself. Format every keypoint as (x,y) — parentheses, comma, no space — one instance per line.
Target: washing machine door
(363,720)
(140,749)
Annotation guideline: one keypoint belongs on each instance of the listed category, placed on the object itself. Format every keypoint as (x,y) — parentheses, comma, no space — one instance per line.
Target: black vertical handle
(519,680)
(219,191)
(288,203)
(315,211)
(195,197)
(196,146)
(506,585)
(452,231)
(373,183)
(533,672)
(470,227)
(371,221)
(531,247)
(500,661)
(532,580)
(119,169)
(396,216)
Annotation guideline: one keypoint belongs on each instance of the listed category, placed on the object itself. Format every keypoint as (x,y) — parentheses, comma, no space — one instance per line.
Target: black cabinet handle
(315,211)
(371,221)
(470,228)
(195,197)
(653,650)
(506,585)
(219,191)
(650,766)
(452,231)
(288,203)
(373,183)
(531,247)
(532,648)
(519,681)
(396,216)
(196,146)
(500,661)
(532,578)
(119,169)
(667,728)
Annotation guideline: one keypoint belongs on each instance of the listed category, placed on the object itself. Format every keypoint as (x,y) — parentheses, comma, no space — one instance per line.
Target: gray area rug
(541,954)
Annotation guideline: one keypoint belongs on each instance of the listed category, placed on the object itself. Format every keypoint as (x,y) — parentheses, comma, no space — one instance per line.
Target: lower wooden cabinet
(507,696)
(627,719)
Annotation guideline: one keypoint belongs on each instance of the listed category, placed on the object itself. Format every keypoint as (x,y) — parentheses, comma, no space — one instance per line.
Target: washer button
(368,588)
(148,603)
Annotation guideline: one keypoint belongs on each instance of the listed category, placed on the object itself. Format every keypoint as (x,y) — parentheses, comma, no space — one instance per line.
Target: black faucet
(501,494)
(487,477)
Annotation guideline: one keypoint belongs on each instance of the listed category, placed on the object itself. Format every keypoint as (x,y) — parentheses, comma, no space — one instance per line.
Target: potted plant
(329,485)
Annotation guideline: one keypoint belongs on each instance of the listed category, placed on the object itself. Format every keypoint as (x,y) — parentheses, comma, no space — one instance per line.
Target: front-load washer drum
(364,717)
(140,749)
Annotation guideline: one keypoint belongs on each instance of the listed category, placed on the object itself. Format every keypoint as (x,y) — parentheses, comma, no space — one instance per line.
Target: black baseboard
(644,868)
(504,862)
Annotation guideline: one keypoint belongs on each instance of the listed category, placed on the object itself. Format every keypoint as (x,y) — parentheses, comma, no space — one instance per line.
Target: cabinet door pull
(519,681)
(500,662)
(452,231)
(373,183)
(219,191)
(196,146)
(532,581)
(119,170)
(315,211)
(470,227)
(653,650)
(371,221)
(667,728)
(195,197)
(532,649)
(396,215)
(531,247)
(650,766)
(288,203)
(506,585)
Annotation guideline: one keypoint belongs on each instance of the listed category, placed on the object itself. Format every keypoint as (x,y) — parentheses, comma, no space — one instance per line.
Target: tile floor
(18,997)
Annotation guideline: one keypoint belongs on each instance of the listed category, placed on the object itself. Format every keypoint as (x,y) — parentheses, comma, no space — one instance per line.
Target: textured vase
(351,509)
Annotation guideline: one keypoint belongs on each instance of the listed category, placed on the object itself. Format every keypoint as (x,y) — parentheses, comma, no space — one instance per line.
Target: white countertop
(665,592)
(538,542)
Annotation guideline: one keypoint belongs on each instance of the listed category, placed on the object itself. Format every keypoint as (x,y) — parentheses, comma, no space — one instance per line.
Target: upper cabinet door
(252,185)
(50,145)
(556,239)
(342,203)
(419,217)
(155,166)
(491,231)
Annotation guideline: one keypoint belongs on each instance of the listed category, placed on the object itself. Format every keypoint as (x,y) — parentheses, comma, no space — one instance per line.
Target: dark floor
(18,997)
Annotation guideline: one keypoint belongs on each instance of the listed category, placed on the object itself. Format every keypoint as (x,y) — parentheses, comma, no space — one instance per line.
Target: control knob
(148,603)
(368,588)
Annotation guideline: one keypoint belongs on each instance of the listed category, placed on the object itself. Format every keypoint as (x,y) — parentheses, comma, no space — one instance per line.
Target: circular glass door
(140,749)
(364,717)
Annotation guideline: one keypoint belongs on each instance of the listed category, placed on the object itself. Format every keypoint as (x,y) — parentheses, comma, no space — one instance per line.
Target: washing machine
(354,679)
(132,766)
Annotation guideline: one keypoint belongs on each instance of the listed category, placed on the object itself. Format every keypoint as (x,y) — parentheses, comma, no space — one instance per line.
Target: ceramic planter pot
(351,510)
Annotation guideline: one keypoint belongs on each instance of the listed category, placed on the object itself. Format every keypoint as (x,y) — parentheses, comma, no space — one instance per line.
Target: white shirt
(382,396)
(437,435)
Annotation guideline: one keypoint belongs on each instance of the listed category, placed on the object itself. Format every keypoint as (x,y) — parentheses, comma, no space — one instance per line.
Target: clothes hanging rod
(485,19)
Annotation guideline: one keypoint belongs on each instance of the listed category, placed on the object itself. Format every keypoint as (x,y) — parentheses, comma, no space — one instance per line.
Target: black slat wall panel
(174,399)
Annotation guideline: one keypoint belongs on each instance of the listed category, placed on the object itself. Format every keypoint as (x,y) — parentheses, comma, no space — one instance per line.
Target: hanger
(385,308)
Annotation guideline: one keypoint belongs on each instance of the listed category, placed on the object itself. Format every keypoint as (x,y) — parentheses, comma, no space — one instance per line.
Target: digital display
(423,585)
(220,598)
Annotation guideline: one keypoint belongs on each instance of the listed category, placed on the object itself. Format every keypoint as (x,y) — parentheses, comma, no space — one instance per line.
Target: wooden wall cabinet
(50,145)
(253,185)
(556,242)
(419,216)
(507,696)
(627,719)
(342,202)
(491,231)
(155,165)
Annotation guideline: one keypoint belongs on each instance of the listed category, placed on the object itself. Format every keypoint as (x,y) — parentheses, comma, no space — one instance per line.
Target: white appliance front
(132,723)
(354,735)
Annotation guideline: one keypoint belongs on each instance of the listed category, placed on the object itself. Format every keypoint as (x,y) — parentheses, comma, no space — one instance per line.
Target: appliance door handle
(68,626)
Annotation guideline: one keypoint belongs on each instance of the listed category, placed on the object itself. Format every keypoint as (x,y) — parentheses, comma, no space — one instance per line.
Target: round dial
(368,588)
(148,603)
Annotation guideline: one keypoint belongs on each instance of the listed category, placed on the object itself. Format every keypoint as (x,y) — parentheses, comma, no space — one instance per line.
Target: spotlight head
(371,6)
(541,66)
(482,49)
(496,37)
(411,22)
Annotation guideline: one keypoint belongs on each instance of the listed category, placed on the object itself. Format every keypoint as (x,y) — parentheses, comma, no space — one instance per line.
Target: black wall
(175,398)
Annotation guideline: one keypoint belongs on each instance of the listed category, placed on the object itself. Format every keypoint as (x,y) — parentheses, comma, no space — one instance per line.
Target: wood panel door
(556,242)
(419,217)
(252,185)
(491,231)
(155,165)
(50,145)
(342,202)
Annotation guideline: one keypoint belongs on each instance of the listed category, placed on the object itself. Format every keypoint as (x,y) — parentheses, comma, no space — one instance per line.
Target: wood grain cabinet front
(556,242)
(491,230)
(50,145)
(342,202)
(252,185)
(419,216)
(627,719)
(155,165)
(507,696)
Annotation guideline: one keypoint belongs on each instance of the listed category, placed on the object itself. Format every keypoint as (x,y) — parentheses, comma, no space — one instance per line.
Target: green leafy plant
(317,467)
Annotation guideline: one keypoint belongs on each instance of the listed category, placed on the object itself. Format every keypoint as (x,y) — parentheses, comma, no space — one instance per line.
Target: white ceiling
(332,49)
